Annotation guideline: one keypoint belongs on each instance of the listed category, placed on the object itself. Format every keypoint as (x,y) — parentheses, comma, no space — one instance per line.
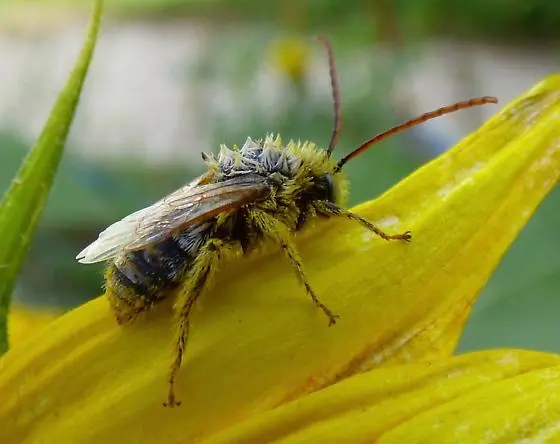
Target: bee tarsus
(171,402)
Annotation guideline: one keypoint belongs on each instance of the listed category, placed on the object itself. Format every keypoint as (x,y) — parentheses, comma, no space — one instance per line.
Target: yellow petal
(23,322)
(483,397)
(257,341)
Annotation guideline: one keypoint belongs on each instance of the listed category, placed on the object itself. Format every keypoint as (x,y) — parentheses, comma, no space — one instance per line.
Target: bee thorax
(263,157)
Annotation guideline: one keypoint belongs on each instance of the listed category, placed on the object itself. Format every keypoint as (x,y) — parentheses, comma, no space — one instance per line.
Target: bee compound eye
(329,187)
(322,188)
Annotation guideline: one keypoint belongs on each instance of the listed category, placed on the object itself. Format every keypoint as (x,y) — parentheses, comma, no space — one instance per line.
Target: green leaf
(23,203)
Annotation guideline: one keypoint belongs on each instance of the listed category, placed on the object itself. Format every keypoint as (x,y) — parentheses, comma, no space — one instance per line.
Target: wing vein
(194,203)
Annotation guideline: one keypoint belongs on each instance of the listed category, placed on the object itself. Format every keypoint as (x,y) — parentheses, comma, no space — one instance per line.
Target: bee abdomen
(152,272)
(125,275)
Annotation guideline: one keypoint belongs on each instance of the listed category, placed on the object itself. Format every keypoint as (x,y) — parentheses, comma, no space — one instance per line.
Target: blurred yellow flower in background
(262,366)
(291,56)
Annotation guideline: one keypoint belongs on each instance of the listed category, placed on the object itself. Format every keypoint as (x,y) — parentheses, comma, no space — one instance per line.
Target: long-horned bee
(266,190)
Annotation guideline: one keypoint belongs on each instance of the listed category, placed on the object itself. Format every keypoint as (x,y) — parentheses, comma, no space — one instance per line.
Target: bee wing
(188,205)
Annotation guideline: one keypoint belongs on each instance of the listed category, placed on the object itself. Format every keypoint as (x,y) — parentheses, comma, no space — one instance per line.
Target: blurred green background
(172,78)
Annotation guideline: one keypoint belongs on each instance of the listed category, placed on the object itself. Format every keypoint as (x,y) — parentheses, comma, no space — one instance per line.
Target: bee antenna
(335,95)
(410,123)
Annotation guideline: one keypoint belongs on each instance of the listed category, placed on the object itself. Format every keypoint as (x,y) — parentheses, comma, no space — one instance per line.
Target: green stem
(23,203)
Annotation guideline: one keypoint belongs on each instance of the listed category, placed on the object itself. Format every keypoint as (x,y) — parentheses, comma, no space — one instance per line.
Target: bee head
(323,188)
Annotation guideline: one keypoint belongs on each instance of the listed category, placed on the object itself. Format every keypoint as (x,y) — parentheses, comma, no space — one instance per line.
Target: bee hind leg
(198,278)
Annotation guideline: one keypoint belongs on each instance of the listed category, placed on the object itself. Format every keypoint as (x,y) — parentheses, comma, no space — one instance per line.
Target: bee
(265,191)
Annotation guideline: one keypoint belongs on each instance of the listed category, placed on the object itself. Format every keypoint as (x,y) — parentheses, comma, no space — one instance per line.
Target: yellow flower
(482,397)
(23,322)
(262,365)
(291,57)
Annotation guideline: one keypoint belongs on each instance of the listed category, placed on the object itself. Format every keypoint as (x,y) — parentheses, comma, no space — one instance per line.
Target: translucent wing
(188,205)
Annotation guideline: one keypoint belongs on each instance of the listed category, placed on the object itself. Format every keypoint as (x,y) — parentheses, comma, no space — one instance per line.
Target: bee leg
(202,271)
(292,256)
(278,232)
(333,210)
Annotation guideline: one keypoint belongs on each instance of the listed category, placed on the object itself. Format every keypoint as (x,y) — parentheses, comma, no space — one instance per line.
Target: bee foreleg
(202,271)
(333,210)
